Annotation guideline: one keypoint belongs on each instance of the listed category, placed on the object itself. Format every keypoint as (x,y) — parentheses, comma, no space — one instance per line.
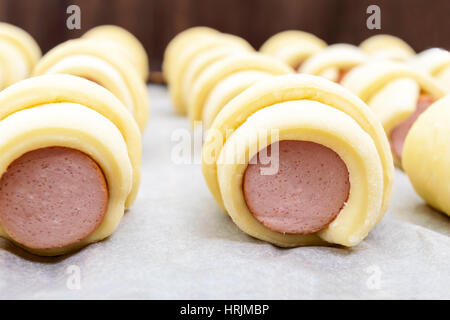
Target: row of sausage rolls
(398,85)
(308,54)
(91,57)
(296,47)
(412,102)
(205,69)
(329,179)
(71,143)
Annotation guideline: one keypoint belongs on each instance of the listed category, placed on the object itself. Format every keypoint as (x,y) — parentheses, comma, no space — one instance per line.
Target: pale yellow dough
(61,88)
(19,53)
(178,43)
(329,61)
(97,70)
(125,43)
(426,155)
(188,54)
(74,126)
(301,107)
(293,46)
(384,46)
(391,90)
(13,64)
(22,40)
(436,62)
(115,73)
(227,89)
(218,71)
(307,121)
(202,61)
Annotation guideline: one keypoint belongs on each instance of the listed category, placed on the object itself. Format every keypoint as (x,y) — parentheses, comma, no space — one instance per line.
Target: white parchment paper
(175,243)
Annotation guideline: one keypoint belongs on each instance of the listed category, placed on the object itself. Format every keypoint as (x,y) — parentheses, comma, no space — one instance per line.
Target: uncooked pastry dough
(18,54)
(123,42)
(227,89)
(53,89)
(426,155)
(384,46)
(436,62)
(308,108)
(224,68)
(78,127)
(332,60)
(185,57)
(178,43)
(391,90)
(293,47)
(202,61)
(89,59)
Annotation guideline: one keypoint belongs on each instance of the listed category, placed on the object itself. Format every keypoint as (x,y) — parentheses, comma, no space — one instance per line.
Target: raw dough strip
(384,46)
(125,43)
(202,61)
(185,57)
(178,44)
(2,78)
(73,126)
(228,88)
(71,89)
(97,70)
(293,47)
(436,62)
(219,71)
(334,59)
(307,108)
(19,53)
(391,90)
(366,80)
(426,155)
(115,73)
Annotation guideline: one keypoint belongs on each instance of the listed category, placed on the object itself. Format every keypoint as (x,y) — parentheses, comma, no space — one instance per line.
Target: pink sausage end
(399,133)
(305,195)
(52,197)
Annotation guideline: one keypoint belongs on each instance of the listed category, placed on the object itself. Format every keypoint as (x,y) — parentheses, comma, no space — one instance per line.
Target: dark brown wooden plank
(422,23)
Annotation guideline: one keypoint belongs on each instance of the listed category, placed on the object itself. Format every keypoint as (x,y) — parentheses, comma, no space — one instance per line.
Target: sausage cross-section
(52,197)
(305,195)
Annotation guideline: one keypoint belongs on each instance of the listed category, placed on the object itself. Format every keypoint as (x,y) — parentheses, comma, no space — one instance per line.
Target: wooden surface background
(422,23)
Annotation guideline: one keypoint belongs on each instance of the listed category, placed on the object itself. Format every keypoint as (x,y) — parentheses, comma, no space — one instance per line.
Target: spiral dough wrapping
(191,52)
(65,115)
(293,47)
(88,59)
(397,94)
(19,53)
(317,116)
